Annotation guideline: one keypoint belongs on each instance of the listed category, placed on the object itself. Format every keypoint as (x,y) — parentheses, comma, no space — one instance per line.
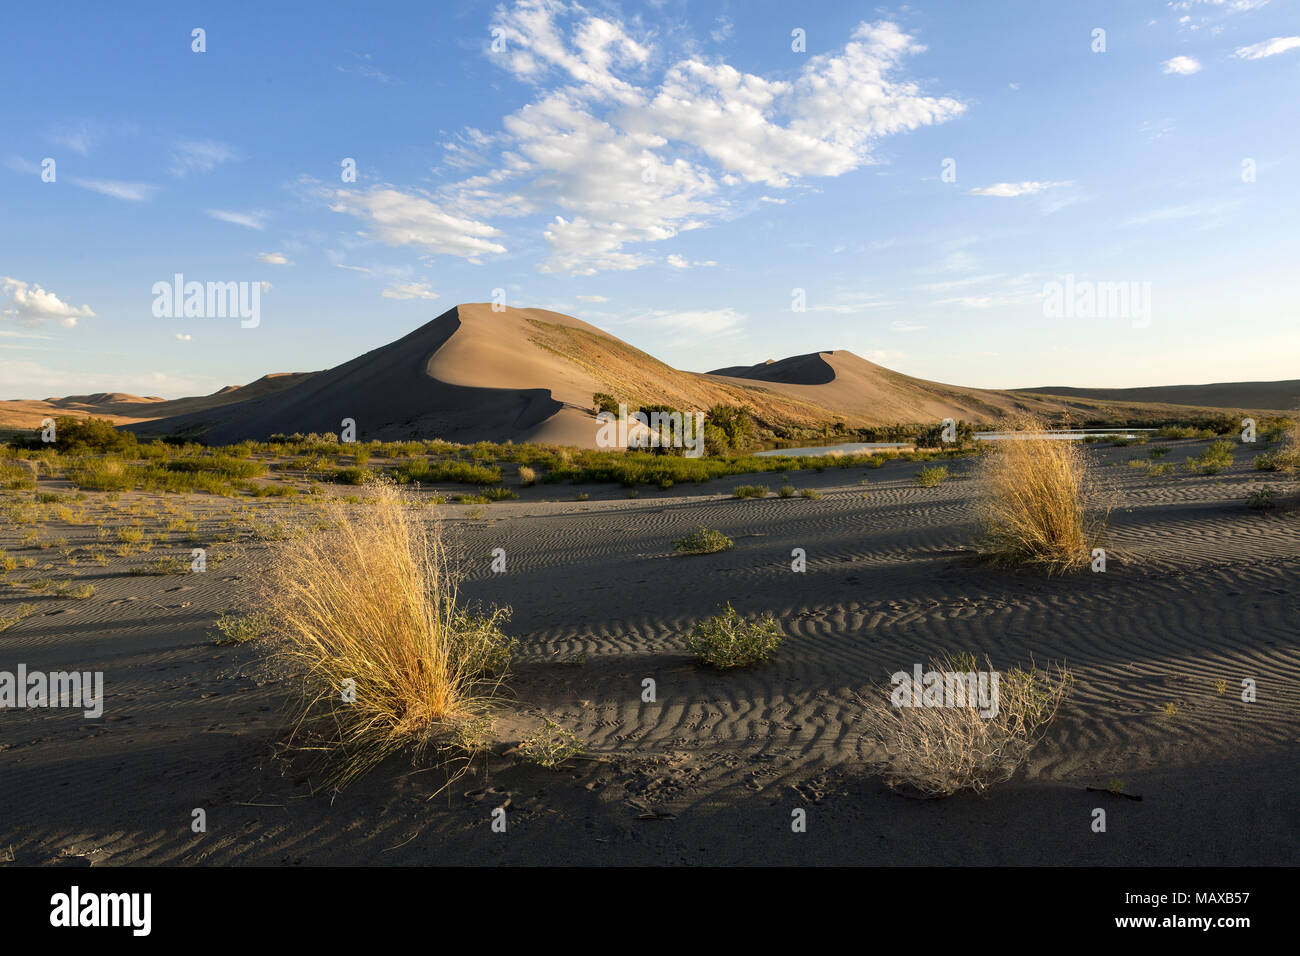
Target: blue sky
(669,172)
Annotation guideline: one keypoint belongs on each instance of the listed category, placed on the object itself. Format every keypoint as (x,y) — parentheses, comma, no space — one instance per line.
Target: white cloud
(1182,65)
(183,337)
(907,327)
(778,202)
(274,258)
(592,298)
(32,304)
(410,290)
(1257,51)
(400,219)
(680,262)
(133,192)
(249,220)
(199,156)
(621,159)
(705,322)
(1011,190)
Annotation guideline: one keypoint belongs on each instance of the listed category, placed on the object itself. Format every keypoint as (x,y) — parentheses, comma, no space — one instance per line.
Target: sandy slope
(1199,589)
(122,408)
(528,374)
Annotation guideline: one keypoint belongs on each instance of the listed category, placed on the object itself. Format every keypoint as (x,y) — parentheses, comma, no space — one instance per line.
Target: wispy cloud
(131,192)
(1257,51)
(274,258)
(1011,190)
(249,220)
(199,156)
(410,290)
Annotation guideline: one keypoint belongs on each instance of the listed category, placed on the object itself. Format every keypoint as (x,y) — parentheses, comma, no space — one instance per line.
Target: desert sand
(475,374)
(1198,589)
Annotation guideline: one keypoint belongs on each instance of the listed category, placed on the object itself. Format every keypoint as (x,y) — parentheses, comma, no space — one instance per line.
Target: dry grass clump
(365,610)
(937,751)
(1037,504)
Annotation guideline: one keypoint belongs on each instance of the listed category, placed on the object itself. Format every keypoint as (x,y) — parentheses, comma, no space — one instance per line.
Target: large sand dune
(476,374)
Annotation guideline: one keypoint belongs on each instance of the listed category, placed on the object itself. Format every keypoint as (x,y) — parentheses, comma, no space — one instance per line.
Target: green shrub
(932,475)
(727,640)
(1261,499)
(750,491)
(1213,460)
(704,541)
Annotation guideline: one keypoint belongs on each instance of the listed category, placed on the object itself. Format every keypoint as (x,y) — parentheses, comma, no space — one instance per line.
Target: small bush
(727,640)
(240,628)
(811,493)
(785,491)
(750,491)
(11,617)
(527,476)
(704,541)
(551,747)
(930,476)
(1261,499)
(936,751)
(1213,460)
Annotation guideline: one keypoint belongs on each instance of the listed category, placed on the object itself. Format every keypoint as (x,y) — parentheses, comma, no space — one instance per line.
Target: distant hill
(1259,395)
(122,408)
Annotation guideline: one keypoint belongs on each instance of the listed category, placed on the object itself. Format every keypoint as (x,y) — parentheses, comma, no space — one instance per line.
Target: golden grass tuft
(364,607)
(939,751)
(1037,503)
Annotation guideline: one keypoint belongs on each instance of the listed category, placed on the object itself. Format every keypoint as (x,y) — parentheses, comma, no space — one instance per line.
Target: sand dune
(476,374)
(123,408)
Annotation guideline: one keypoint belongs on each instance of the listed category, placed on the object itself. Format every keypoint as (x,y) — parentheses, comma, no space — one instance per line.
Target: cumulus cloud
(402,219)
(1011,190)
(31,304)
(410,290)
(1182,65)
(620,158)
(1257,51)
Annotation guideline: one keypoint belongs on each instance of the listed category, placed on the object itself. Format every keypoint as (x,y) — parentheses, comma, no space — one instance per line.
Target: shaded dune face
(811,369)
(391,393)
